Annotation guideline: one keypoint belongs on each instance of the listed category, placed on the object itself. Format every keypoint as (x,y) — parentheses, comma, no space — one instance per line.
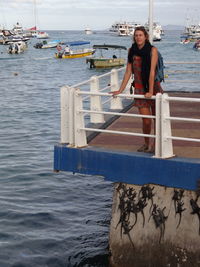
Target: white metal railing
(74,128)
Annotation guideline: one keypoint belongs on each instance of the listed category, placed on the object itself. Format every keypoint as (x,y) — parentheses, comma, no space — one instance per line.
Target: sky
(96,14)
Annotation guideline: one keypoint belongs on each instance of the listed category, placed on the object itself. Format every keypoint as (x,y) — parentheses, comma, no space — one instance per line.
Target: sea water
(46,218)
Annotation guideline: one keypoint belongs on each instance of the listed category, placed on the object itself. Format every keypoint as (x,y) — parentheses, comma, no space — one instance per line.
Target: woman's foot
(143,148)
(151,150)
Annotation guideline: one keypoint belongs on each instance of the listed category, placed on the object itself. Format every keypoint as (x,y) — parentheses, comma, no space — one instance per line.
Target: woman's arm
(154,60)
(125,80)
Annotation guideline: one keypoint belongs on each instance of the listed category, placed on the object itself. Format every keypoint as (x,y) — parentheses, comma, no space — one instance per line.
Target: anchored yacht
(192,31)
(157,31)
(88,30)
(124,28)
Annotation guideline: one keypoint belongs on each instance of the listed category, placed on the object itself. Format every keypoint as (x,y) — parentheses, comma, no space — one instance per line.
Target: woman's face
(139,38)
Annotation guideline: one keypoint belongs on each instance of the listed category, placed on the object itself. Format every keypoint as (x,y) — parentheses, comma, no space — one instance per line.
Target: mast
(34,1)
(151,21)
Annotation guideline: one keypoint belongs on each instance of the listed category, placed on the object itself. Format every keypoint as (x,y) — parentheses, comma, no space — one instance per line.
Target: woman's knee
(147,122)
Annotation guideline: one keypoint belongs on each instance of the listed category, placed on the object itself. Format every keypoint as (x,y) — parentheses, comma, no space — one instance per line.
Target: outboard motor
(38,45)
(10,49)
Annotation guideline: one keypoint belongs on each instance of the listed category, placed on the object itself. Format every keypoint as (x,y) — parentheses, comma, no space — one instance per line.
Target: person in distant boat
(67,50)
(59,49)
(142,61)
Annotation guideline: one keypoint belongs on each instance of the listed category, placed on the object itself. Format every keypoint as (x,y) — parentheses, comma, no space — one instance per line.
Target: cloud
(71,14)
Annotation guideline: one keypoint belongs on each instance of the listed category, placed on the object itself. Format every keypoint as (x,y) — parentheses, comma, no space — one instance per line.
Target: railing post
(166,143)
(95,101)
(158,126)
(71,115)
(116,102)
(64,112)
(79,135)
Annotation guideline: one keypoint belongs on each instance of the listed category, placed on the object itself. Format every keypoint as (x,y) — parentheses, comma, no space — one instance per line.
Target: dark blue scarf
(145,54)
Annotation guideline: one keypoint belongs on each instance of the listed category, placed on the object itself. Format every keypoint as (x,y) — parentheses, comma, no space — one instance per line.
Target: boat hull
(75,55)
(105,62)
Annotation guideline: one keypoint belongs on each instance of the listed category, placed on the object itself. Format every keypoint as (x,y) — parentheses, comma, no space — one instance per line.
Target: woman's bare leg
(146,123)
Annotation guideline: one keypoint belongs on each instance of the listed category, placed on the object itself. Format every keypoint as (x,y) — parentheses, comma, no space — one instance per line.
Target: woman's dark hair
(141,28)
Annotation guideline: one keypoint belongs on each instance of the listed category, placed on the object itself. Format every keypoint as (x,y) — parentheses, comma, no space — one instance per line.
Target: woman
(142,61)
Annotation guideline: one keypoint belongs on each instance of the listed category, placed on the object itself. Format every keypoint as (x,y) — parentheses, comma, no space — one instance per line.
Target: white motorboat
(31,32)
(17,47)
(8,37)
(17,29)
(42,35)
(194,31)
(157,31)
(88,30)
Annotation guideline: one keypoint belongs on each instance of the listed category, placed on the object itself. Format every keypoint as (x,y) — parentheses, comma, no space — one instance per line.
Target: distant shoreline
(165,28)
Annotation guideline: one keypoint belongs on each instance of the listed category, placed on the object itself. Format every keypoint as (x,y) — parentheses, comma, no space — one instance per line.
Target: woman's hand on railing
(148,95)
(114,93)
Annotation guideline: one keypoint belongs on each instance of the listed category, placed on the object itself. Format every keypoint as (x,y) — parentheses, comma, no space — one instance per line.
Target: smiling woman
(142,62)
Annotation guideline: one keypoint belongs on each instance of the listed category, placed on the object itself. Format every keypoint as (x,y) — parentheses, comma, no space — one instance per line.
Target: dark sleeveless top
(139,88)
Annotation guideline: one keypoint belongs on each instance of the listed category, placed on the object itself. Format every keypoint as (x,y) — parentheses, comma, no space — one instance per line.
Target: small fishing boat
(68,52)
(44,44)
(108,61)
(185,41)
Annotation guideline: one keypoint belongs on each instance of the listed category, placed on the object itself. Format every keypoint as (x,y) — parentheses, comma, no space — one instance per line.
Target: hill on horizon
(173,27)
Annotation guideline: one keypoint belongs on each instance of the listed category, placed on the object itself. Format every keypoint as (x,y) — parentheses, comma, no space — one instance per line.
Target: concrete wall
(154,226)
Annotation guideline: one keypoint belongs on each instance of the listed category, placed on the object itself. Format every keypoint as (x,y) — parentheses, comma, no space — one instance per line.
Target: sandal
(143,148)
(151,150)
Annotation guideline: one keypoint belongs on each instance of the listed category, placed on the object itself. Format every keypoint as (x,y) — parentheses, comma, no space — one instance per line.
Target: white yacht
(17,29)
(192,31)
(88,30)
(157,31)
(124,28)
(17,47)
(42,35)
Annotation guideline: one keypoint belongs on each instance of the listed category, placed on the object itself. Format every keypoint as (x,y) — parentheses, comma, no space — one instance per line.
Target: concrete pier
(156,208)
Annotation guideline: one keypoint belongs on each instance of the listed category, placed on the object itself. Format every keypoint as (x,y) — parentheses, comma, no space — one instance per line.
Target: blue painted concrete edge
(127,167)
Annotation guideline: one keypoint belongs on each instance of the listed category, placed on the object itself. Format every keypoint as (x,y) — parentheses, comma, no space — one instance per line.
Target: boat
(32,32)
(124,28)
(9,37)
(185,41)
(42,35)
(157,31)
(192,32)
(44,44)
(88,30)
(68,52)
(127,28)
(17,47)
(17,29)
(197,45)
(106,62)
